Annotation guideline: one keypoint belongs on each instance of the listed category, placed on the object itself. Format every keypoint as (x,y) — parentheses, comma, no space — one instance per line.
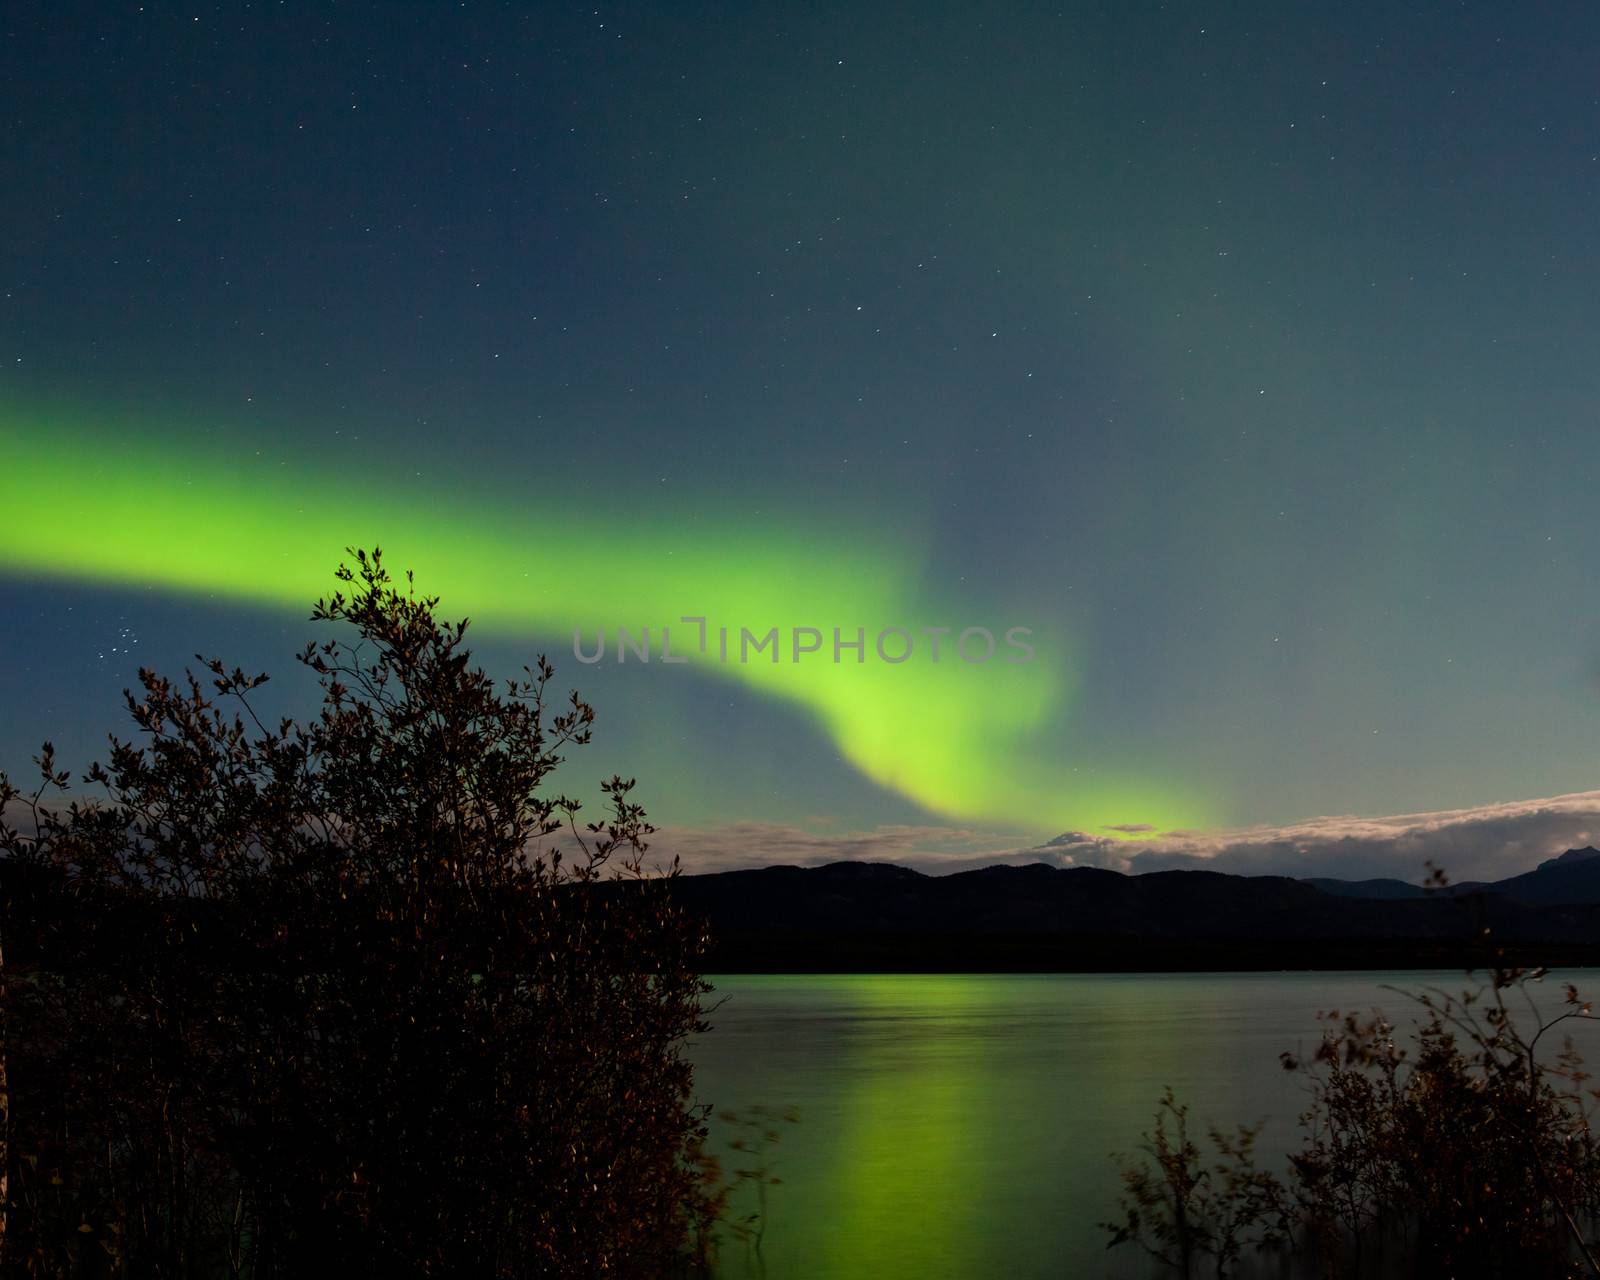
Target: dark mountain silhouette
(852,916)
(1572,855)
(1388,889)
(1571,878)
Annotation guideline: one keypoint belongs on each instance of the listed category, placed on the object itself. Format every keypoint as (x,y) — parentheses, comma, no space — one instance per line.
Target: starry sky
(1245,354)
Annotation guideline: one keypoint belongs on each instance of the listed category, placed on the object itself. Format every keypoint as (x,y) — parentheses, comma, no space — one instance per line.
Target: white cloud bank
(1487,842)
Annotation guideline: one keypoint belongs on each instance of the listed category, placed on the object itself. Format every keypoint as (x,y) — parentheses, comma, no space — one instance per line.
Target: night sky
(1246,354)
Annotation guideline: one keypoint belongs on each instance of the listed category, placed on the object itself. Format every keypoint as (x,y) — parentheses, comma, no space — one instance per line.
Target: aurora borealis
(1246,356)
(944,733)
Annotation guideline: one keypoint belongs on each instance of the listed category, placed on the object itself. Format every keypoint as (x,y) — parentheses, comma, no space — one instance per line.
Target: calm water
(959,1126)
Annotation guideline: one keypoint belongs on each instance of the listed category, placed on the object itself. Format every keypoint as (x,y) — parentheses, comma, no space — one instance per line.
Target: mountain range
(862,916)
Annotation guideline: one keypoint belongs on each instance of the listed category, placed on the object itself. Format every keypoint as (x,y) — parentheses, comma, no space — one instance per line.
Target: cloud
(1487,842)
(736,845)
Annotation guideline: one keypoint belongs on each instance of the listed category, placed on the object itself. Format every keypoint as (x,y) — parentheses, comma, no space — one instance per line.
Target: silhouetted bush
(1180,1209)
(305,999)
(1464,1153)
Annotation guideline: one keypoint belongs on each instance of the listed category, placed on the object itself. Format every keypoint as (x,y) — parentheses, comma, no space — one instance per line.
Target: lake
(961,1125)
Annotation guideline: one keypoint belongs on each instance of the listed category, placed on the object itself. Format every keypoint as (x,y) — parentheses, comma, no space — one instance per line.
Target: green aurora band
(959,739)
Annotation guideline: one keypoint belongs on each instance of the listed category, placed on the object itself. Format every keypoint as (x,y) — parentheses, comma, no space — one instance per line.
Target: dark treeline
(874,917)
(801,951)
(304,999)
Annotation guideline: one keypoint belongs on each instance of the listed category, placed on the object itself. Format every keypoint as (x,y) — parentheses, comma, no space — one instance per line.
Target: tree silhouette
(329,996)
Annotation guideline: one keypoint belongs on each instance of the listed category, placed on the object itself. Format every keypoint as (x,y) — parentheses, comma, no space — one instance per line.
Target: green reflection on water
(957,1126)
(915,1117)
(947,1121)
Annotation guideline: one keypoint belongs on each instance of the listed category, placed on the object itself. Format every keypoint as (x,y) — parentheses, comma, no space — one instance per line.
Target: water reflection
(955,1126)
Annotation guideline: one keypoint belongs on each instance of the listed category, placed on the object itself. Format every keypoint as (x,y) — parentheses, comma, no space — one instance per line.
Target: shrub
(1462,1154)
(1180,1210)
(326,997)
